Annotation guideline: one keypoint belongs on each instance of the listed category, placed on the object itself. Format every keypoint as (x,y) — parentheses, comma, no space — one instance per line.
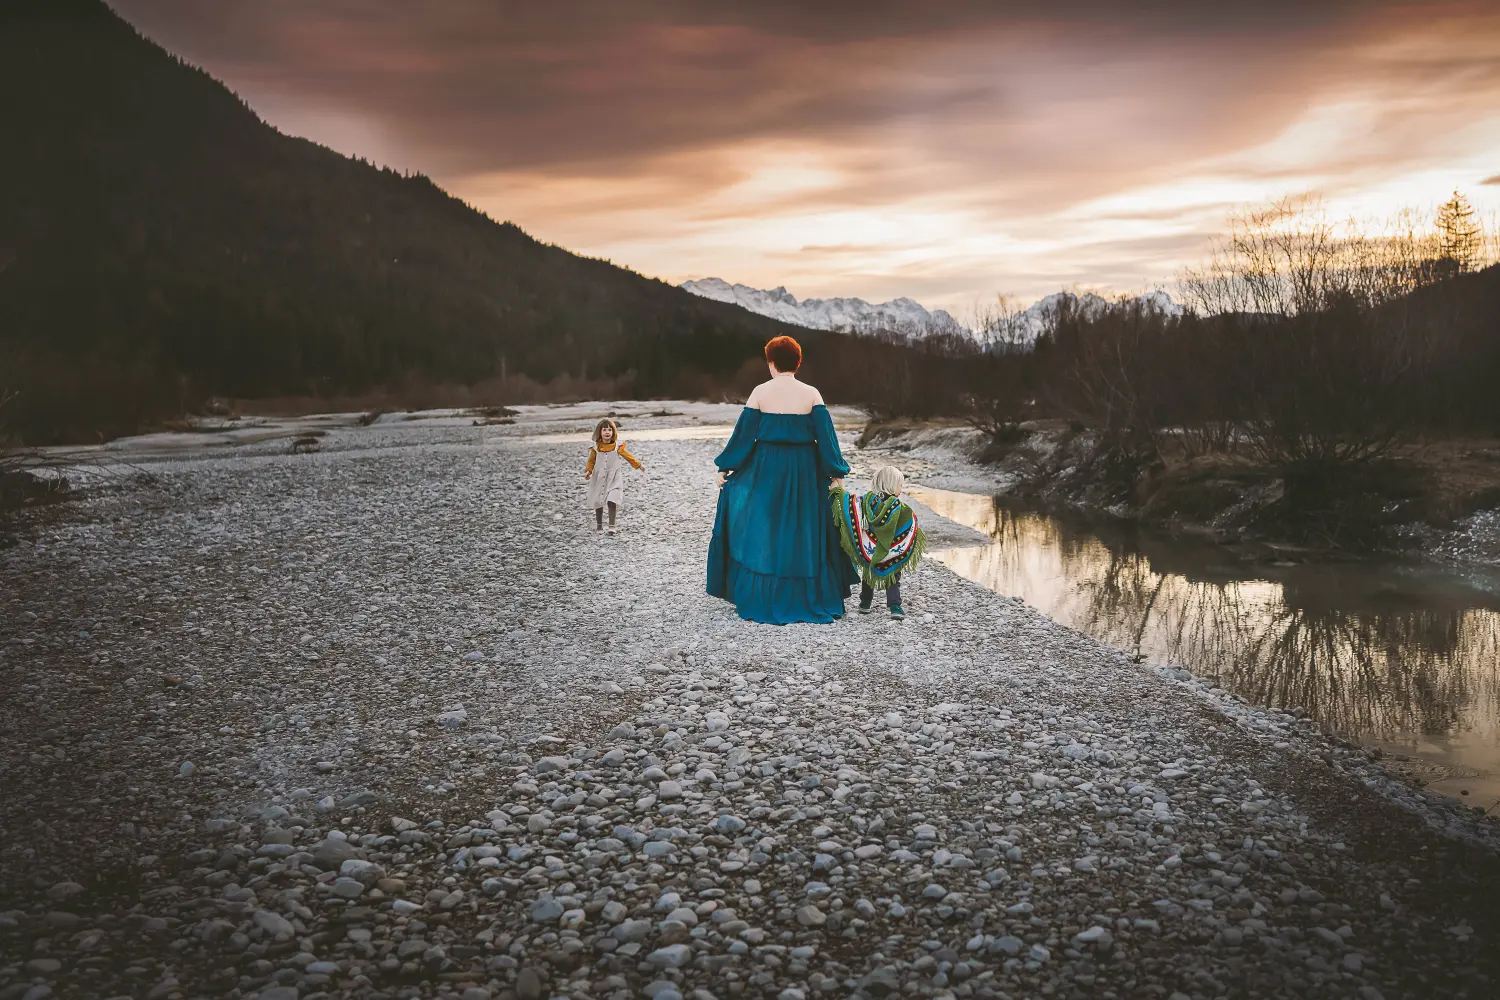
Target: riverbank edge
(1229,493)
(943,456)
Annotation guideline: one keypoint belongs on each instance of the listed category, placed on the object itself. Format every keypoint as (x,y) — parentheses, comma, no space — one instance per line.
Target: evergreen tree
(1460,238)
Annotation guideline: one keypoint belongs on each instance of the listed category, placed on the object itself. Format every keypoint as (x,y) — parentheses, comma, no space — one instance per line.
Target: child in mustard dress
(605,472)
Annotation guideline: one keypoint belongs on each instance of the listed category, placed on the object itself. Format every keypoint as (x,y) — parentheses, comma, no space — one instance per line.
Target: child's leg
(866,595)
(893,593)
(611,513)
(598,518)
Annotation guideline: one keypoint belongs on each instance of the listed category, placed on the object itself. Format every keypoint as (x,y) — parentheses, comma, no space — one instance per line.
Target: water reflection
(1395,655)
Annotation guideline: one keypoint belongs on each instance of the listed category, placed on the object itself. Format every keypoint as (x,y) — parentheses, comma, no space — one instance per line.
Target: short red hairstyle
(785,353)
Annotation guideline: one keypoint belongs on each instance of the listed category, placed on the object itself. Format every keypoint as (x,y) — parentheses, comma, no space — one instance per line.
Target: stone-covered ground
(391,720)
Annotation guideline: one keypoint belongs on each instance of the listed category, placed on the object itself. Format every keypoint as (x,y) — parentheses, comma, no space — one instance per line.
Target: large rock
(330,853)
(811,916)
(631,930)
(528,985)
(274,924)
(364,872)
(547,910)
(673,956)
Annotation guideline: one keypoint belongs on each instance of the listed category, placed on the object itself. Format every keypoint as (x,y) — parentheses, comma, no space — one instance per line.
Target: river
(1403,657)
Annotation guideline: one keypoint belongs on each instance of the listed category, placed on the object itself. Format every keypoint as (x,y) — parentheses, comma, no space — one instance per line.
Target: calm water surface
(1402,657)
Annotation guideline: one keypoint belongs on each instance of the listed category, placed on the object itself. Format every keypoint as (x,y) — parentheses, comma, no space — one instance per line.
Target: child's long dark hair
(599,429)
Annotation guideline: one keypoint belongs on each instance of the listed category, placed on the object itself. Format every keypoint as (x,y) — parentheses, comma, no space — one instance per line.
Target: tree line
(1305,340)
(161,245)
(1316,349)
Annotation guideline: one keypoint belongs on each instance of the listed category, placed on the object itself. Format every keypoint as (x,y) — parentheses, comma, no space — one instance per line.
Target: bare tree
(1317,323)
(1112,385)
(1001,325)
(1002,392)
(1328,389)
(1291,258)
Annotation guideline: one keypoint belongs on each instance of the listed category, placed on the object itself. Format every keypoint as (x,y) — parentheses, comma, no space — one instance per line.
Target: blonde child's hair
(888,480)
(599,429)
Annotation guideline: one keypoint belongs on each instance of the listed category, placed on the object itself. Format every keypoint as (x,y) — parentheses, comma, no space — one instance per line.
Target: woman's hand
(723,478)
(836,483)
(587,476)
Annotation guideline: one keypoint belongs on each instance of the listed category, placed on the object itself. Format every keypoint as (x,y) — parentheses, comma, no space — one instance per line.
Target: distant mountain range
(909,317)
(1024,327)
(845,315)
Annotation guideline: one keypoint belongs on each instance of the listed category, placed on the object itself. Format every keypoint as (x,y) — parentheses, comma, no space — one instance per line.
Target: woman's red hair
(785,353)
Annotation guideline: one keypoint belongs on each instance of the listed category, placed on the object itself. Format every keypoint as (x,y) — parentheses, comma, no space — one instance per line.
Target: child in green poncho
(880,534)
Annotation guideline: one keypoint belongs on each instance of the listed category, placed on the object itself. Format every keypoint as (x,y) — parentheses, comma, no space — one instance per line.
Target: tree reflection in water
(1367,650)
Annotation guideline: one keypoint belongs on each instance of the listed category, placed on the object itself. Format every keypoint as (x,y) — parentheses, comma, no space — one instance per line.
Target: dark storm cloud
(478,85)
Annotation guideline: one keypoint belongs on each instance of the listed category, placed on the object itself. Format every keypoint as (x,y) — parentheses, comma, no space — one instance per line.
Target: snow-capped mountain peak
(904,315)
(901,315)
(1022,328)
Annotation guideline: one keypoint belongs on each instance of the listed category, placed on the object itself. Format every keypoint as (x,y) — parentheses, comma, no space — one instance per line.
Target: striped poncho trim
(880,534)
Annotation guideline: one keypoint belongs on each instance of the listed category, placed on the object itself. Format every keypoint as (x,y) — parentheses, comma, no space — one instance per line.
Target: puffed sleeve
(831,464)
(742,442)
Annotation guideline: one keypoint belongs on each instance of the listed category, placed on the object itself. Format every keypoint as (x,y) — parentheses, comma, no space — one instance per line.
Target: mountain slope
(153,228)
(901,315)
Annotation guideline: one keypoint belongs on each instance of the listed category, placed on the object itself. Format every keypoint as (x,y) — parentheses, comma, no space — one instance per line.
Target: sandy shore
(391,720)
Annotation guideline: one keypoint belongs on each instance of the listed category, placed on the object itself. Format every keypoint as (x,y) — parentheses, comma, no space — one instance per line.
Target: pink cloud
(653,131)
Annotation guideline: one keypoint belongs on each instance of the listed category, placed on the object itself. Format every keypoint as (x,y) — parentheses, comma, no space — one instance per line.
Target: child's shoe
(864,607)
(897,613)
(611,529)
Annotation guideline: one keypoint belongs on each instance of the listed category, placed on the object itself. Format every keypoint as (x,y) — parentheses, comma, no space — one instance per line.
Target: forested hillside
(160,243)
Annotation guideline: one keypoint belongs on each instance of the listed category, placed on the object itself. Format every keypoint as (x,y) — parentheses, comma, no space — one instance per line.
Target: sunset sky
(947,150)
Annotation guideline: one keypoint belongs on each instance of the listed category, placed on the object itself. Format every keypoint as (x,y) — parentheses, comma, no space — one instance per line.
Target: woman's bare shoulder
(809,395)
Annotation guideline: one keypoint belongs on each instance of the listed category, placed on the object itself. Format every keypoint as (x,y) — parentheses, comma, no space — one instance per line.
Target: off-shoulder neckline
(777,413)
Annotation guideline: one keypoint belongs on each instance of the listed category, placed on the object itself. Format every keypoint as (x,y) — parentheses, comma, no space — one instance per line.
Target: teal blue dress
(775,552)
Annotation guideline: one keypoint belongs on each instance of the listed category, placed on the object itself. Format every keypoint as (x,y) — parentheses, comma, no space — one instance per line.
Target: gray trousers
(892,593)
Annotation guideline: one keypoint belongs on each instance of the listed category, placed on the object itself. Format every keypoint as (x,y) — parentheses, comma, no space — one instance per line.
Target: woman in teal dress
(775,553)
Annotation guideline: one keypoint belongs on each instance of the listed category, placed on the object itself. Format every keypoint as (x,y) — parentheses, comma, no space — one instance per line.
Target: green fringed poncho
(879,533)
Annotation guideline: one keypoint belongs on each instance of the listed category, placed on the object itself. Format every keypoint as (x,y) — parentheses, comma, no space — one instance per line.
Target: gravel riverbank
(391,720)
